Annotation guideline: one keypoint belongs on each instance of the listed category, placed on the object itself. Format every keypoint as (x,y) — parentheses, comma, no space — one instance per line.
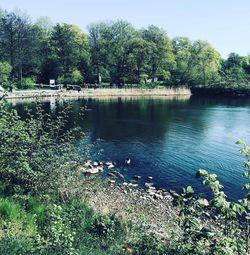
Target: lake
(167,138)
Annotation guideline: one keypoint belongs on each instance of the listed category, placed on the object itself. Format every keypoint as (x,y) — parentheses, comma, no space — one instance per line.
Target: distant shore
(97,92)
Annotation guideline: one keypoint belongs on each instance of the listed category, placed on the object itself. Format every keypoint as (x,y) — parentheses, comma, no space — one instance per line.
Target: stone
(95,163)
(148,185)
(158,196)
(111,175)
(137,177)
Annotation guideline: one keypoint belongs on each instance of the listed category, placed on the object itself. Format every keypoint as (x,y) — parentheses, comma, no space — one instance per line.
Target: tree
(206,69)
(16,43)
(5,70)
(70,48)
(138,52)
(161,57)
(233,69)
(197,62)
(47,68)
(98,51)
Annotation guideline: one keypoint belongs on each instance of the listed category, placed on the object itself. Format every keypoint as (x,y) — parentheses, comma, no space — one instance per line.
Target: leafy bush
(108,228)
(26,83)
(35,152)
(15,246)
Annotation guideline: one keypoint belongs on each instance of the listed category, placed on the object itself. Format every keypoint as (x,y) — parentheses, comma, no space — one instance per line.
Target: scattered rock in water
(111,174)
(110,165)
(134,185)
(88,163)
(95,163)
(148,185)
(91,170)
(120,175)
(137,177)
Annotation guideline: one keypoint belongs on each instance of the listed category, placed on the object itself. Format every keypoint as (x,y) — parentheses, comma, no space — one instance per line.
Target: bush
(108,229)
(15,246)
(27,83)
(35,152)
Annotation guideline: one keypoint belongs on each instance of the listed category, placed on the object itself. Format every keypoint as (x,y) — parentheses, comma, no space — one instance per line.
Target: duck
(127,161)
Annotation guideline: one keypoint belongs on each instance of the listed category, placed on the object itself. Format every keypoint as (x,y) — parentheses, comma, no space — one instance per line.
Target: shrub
(10,245)
(108,229)
(35,152)
(26,83)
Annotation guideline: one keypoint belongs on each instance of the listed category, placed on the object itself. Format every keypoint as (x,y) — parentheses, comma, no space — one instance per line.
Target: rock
(95,163)
(150,178)
(112,181)
(125,184)
(120,175)
(151,193)
(111,175)
(133,185)
(158,196)
(148,185)
(109,165)
(93,170)
(88,163)
(137,177)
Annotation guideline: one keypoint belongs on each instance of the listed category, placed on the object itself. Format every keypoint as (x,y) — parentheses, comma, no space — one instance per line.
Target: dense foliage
(112,52)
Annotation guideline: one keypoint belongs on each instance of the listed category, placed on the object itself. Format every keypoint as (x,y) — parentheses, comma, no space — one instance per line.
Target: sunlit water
(168,138)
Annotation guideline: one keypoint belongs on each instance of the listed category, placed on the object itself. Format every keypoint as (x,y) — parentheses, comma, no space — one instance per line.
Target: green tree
(233,70)
(206,69)
(161,57)
(70,48)
(16,43)
(5,70)
(138,53)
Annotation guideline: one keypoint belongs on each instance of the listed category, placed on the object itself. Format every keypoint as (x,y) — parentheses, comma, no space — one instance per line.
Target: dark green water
(168,139)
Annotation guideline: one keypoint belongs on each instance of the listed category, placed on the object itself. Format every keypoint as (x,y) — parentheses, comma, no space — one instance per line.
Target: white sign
(52,82)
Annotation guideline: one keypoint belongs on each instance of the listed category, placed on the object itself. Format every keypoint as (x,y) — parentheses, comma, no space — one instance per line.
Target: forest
(111,53)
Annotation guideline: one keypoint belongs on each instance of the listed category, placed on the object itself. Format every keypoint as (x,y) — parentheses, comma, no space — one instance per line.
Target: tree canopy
(115,52)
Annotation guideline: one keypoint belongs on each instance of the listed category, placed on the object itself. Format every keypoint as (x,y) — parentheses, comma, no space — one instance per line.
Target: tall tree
(70,48)
(207,66)
(16,42)
(233,69)
(161,55)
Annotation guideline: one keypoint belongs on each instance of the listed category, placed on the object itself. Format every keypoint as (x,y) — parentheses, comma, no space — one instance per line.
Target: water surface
(168,138)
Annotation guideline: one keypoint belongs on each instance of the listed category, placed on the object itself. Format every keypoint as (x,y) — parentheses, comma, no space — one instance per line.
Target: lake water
(168,138)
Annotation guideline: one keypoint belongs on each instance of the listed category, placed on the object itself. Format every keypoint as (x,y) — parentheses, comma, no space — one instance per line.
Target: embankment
(99,92)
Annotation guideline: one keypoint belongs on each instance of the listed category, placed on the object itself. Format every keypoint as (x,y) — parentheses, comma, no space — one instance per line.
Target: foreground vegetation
(114,53)
(39,213)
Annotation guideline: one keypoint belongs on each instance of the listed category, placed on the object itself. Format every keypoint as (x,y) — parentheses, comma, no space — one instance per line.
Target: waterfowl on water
(127,161)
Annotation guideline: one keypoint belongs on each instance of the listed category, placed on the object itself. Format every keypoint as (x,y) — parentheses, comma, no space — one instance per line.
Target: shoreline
(129,202)
(99,92)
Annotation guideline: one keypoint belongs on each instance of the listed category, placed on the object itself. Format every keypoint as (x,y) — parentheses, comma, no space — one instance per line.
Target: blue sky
(224,23)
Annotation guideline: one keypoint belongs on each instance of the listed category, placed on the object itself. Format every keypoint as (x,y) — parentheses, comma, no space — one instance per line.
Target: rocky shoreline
(132,203)
(147,207)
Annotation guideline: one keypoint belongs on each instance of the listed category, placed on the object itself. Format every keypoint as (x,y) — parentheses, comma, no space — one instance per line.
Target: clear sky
(224,23)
